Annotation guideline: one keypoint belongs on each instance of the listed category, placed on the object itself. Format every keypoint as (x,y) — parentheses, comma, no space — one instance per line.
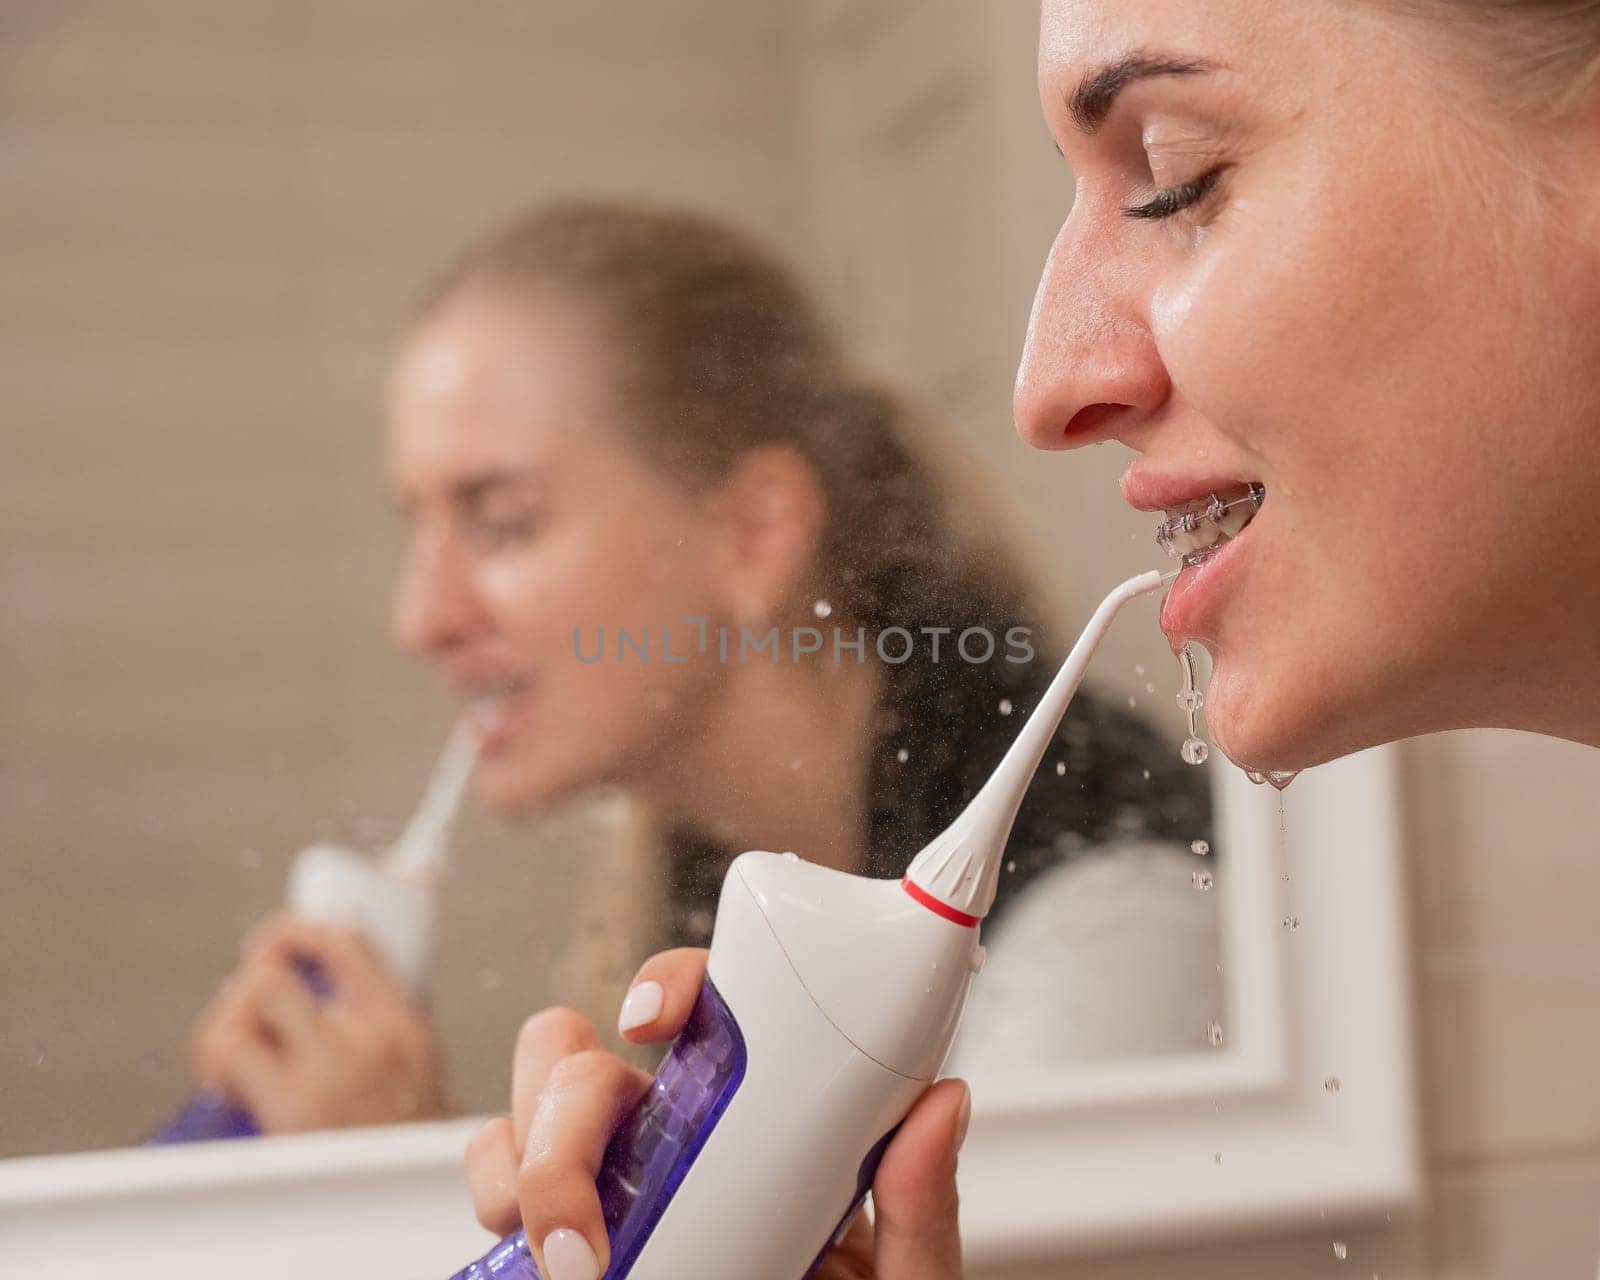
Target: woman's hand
(537,1166)
(363,1053)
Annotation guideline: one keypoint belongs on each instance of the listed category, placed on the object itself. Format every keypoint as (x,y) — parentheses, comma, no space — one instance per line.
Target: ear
(769,515)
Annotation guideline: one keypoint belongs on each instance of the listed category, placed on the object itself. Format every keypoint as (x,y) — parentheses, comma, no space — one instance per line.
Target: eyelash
(497,533)
(1174,200)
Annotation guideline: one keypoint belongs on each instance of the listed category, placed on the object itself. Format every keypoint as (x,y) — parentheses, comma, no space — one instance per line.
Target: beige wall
(212,216)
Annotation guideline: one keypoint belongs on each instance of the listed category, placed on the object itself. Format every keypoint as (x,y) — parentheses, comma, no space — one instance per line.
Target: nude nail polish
(641,1007)
(567,1256)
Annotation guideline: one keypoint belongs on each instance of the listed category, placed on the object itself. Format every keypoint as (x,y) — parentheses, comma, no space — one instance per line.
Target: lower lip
(496,728)
(1193,606)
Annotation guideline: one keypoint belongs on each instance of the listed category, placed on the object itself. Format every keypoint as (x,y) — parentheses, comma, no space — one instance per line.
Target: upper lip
(476,683)
(1146,487)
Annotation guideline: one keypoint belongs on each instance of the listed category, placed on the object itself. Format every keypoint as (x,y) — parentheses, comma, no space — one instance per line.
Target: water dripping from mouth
(1190,699)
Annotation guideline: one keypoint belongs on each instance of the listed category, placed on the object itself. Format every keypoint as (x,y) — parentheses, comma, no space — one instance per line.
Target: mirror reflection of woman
(609,420)
(1348,250)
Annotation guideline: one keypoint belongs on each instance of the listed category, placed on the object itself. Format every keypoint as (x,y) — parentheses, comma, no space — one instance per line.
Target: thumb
(914,1197)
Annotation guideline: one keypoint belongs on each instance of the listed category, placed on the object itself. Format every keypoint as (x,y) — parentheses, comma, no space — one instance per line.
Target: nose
(435,609)
(1090,370)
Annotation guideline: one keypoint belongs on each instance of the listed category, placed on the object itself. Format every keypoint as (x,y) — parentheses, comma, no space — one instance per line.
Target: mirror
(217,252)
(210,291)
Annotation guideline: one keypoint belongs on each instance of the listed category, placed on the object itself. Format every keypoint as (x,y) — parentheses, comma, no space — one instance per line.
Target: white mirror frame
(1056,1163)
(1306,1113)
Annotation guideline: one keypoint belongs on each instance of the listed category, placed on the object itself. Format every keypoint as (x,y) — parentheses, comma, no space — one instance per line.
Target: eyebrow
(474,488)
(1091,102)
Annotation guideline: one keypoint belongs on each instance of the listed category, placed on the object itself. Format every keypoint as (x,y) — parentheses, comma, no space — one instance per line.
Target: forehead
(1288,39)
(491,382)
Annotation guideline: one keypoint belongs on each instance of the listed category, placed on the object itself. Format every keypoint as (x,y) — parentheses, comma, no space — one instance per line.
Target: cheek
(594,575)
(1252,332)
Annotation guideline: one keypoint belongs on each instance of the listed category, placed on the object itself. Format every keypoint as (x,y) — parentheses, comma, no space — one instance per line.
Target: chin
(1268,726)
(517,789)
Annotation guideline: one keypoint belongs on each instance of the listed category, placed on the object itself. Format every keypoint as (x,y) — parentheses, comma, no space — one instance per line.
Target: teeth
(487,700)
(1197,529)
(500,687)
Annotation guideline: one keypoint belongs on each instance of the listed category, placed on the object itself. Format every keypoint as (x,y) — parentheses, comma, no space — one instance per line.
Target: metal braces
(1216,509)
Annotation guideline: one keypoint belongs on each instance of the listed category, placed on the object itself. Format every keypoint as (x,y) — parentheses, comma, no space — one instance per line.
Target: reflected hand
(537,1166)
(363,1054)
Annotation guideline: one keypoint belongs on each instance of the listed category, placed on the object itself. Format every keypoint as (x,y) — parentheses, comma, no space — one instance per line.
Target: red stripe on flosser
(938,908)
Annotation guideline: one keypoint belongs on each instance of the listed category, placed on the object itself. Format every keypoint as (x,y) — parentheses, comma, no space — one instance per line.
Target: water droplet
(1216,1157)
(902,755)
(794,764)
(1195,751)
(1149,686)
(1189,696)
(935,964)
(1146,773)
(1138,668)
(1202,847)
(927,991)
(1258,778)
(1061,768)
(1213,1033)
(1333,1084)
(1291,923)
(1340,1250)
(1282,780)
(1203,880)
(38,1054)
(1011,866)
(250,859)
(1133,702)
(489,979)
(822,608)
(1005,706)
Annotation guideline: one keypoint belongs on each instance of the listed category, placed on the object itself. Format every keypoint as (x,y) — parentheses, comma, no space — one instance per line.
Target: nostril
(1092,422)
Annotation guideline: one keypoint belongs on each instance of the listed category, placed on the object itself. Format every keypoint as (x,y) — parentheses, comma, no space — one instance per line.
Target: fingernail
(567,1256)
(964,1119)
(641,1007)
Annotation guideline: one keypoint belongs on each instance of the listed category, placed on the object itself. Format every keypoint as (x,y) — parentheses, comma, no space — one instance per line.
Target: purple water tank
(208,1115)
(654,1146)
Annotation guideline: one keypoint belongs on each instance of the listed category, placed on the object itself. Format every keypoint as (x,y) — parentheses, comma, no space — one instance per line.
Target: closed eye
(1175,200)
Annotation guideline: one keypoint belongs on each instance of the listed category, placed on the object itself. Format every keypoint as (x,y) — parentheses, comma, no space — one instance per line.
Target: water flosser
(830,1003)
(391,899)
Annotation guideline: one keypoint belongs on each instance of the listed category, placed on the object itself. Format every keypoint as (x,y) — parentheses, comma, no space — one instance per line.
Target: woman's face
(1302,254)
(532,519)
